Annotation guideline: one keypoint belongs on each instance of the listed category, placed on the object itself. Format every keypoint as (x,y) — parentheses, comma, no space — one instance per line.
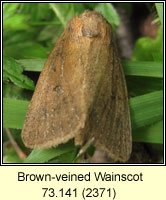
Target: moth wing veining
(55,113)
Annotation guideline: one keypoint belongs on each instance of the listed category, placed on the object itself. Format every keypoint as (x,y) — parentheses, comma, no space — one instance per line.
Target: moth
(81,92)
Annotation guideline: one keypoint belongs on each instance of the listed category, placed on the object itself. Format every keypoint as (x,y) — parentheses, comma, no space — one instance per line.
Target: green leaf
(60,10)
(150,134)
(146,109)
(142,49)
(13,71)
(35,65)
(16,22)
(14,112)
(44,155)
(147,49)
(26,50)
(5,77)
(109,12)
(79,8)
(68,157)
(140,85)
(10,155)
(17,36)
(143,68)
(9,9)
(48,33)
(14,92)
(90,6)
(12,19)
(159,7)
(36,11)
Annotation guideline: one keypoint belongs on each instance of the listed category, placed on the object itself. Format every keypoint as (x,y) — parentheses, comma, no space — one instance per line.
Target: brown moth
(81,92)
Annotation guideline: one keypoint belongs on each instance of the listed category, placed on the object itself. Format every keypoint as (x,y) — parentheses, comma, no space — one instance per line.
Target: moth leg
(84,148)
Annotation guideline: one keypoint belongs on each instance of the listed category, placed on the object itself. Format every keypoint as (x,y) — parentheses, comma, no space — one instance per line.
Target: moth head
(90,24)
